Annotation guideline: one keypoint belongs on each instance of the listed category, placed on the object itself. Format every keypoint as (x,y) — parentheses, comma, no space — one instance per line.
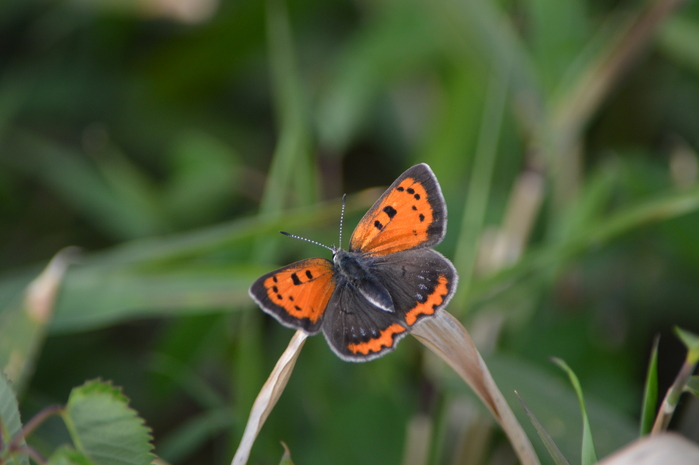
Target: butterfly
(368,297)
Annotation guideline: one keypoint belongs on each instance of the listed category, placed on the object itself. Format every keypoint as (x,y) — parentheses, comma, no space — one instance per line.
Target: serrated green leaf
(650,393)
(546,438)
(692,386)
(10,423)
(105,428)
(66,455)
(589,456)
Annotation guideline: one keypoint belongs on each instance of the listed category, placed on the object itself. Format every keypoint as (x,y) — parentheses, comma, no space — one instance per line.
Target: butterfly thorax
(354,269)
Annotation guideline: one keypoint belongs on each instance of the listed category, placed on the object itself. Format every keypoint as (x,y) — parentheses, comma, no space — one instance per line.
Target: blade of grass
(672,397)
(693,386)
(290,176)
(546,438)
(664,207)
(478,194)
(589,456)
(650,393)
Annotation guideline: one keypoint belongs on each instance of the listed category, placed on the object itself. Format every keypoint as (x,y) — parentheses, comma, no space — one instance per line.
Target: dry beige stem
(662,449)
(445,336)
(268,396)
(41,293)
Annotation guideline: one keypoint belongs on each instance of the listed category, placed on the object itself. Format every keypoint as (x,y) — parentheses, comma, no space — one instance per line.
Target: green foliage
(10,424)
(650,393)
(104,428)
(172,145)
(589,455)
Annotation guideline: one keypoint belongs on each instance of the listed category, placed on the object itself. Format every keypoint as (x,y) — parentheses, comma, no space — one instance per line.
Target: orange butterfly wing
(298,294)
(410,214)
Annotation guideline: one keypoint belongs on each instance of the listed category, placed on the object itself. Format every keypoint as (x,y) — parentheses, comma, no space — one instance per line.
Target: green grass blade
(589,456)
(291,178)
(664,207)
(479,187)
(546,438)
(650,393)
(189,436)
(691,341)
(692,385)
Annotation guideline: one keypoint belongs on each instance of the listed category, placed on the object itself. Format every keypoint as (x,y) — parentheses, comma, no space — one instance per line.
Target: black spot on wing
(378,225)
(309,274)
(295,279)
(390,211)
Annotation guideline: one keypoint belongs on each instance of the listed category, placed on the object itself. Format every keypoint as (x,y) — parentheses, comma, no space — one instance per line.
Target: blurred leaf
(205,172)
(66,455)
(115,196)
(650,393)
(558,409)
(95,296)
(473,217)
(397,43)
(23,324)
(546,438)
(291,179)
(182,274)
(10,423)
(679,38)
(559,30)
(186,438)
(589,456)
(693,385)
(660,208)
(286,458)
(105,428)
(691,341)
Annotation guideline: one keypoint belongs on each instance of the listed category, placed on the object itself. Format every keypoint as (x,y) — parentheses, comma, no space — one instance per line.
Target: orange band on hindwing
(433,301)
(376,345)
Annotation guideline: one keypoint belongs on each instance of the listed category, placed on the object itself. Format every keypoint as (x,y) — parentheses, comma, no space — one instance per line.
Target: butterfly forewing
(298,294)
(410,214)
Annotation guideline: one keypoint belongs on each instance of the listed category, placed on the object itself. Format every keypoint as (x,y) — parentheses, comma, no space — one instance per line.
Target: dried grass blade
(268,396)
(445,336)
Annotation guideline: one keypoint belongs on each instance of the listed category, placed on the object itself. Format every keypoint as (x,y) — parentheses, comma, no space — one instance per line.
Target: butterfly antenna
(307,240)
(342,217)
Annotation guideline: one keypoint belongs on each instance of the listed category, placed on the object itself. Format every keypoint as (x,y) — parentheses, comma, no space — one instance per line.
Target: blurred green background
(172,139)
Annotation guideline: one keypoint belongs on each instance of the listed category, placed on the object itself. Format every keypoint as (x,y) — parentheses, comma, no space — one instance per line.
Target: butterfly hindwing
(356,330)
(298,294)
(420,282)
(410,214)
